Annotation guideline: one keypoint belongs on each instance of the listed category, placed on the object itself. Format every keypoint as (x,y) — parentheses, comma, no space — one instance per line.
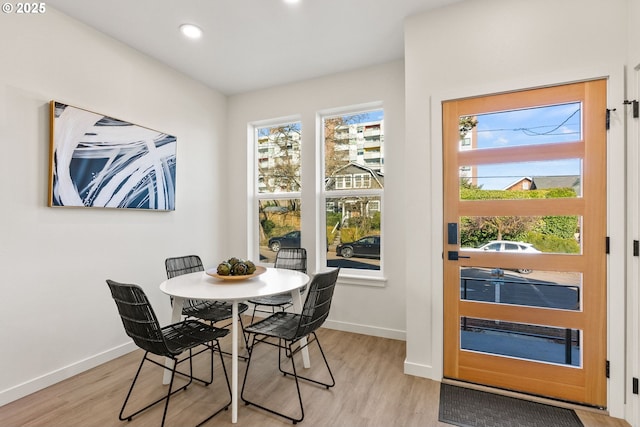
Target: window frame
(349,275)
(254,182)
(313,222)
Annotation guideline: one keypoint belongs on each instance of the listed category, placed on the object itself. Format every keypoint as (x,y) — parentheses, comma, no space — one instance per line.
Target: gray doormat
(466,407)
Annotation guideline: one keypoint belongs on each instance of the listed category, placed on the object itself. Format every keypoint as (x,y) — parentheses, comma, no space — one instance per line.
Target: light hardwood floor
(371,390)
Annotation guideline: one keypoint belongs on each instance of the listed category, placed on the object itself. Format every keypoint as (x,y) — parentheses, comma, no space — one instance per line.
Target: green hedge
(554,244)
(548,233)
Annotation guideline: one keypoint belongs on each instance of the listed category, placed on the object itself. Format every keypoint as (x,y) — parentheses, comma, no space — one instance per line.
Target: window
(278,188)
(361,181)
(343,181)
(345,230)
(353,190)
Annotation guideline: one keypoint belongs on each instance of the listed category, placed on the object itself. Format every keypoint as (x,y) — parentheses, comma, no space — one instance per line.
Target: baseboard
(374,331)
(424,371)
(44,381)
(366,330)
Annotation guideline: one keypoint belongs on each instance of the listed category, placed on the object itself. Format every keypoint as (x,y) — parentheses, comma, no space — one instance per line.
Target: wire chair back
(139,319)
(318,302)
(178,266)
(292,259)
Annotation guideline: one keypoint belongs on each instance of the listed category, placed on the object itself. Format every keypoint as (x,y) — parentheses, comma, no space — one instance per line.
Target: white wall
(57,315)
(487,46)
(364,309)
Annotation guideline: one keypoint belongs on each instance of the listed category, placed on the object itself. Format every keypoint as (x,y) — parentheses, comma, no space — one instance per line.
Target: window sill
(358,280)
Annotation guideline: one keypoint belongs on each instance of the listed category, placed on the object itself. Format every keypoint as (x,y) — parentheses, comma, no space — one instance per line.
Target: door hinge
(607,245)
(607,369)
(635,105)
(636,248)
(635,386)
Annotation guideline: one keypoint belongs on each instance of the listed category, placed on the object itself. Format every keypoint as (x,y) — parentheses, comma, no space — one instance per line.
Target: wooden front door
(525,241)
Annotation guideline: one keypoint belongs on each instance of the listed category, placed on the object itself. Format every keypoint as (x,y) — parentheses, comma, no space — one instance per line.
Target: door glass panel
(548,289)
(521,234)
(522,180)
(528,126)
(523,341)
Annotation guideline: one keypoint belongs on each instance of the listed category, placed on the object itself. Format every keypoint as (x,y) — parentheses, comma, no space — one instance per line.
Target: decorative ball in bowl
(236,269)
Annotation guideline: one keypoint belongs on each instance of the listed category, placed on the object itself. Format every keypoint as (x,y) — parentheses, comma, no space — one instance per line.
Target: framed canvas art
(99,161)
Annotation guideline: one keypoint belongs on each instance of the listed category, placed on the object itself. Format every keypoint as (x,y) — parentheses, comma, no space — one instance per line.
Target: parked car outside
(289,240)
(365,247)
(506,246)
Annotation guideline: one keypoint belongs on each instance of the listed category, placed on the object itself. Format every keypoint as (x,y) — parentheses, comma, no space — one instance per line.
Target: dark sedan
(289,240)
(366,247)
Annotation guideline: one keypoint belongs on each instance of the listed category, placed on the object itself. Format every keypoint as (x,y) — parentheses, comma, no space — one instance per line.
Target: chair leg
(212,347)
(252,339)
(288,349)
(253,314)
(133,383)
(226,377)
(169,393)
(324,358)
(244,335)
(191,377)
(173,375)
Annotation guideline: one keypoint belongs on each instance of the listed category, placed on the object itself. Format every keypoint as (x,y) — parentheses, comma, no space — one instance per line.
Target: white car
(506,246)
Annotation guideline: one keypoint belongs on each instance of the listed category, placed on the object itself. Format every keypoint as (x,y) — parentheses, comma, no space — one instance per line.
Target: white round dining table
(203,286)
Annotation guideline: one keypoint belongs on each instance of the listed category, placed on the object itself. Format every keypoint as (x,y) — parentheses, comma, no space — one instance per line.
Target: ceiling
(253,44)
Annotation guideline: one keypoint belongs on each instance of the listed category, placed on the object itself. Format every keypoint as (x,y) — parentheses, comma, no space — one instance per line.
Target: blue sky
(368,116)
(542,125)
(371,116)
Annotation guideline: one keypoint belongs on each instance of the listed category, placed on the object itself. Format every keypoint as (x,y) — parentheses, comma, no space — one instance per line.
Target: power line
(531,132)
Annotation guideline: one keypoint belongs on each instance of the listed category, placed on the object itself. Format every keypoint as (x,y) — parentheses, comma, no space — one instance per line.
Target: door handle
(453,256)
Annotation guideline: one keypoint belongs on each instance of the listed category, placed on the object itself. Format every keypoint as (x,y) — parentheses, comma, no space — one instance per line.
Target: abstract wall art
(99,161)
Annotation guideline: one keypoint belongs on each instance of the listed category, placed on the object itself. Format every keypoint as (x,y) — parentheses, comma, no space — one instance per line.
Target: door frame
(633,263)
(617,353)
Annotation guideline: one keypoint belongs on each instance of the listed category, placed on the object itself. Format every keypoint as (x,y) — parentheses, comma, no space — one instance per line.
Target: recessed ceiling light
(292,1)
(191,31)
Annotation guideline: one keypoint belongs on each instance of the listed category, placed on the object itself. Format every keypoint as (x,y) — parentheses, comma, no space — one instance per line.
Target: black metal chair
(289,329)
(141,324)
(289,258)
(212,311)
